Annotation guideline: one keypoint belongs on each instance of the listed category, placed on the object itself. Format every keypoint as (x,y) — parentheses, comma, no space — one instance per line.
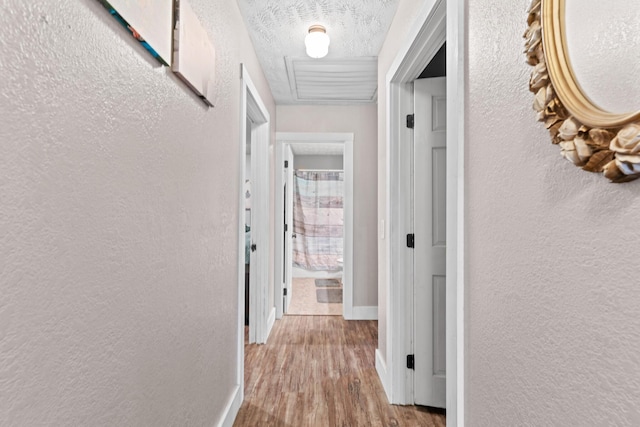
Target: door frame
(437,21)
(291,138)
(252,107)
(286,257)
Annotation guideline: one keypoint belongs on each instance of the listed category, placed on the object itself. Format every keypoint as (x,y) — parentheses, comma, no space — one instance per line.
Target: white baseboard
(364,313)
(270,322)
(381,369)
(232,408)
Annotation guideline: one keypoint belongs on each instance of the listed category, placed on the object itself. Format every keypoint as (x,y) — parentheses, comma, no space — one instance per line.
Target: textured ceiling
(357,29)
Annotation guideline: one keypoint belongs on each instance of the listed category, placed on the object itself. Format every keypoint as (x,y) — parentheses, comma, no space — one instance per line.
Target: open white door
(430,189)
(286,243)
(287,255)
(254,265)
(255,131)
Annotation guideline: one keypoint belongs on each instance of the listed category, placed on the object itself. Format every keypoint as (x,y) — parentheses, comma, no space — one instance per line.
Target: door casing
(287,262)
(291,138)
(252,108)
(436,22)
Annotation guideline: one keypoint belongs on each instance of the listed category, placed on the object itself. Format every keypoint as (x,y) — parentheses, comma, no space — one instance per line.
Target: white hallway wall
(552,290)
(361,121)
(118,221)
(319,162)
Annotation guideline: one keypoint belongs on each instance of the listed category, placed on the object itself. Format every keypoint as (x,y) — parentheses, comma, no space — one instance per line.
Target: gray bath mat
(329,295)
(328,283)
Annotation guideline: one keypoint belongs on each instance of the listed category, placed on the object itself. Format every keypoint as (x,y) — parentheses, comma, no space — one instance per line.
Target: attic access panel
(352,80)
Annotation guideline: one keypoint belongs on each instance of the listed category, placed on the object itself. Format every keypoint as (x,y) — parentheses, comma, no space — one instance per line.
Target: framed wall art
(193,54)
(586,66)
(148,21)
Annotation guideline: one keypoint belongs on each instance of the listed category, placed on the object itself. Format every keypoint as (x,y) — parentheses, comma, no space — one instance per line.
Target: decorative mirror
(584,98)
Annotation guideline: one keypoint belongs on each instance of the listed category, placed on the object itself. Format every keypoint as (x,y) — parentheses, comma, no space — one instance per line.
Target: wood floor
(305,302)
(320,371)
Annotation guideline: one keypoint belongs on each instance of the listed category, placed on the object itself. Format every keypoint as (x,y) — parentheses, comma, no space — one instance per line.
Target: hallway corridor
(319,371)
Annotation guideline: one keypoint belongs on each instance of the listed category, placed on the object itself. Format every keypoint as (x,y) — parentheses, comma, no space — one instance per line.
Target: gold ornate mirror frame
(590,137)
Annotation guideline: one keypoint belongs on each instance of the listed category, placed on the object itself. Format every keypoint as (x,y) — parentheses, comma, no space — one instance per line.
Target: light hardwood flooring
(320,371)
(304,301)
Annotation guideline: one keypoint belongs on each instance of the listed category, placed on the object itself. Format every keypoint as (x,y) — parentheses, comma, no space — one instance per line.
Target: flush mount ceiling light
(317,41)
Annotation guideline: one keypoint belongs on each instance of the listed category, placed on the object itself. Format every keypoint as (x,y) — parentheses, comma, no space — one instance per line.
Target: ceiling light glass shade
(317,42)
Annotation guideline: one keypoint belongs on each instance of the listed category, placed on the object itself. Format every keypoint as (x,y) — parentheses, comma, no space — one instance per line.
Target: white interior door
(288,227)
(430,157)
(286,243)
(254,268)
(259,250)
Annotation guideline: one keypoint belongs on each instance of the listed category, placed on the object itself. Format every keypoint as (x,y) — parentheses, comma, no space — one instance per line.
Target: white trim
(270,322)
(400,270)
(290,138)
(437,21)
(456,324)
(364,312)
(241,241)
(279,232)
(255,109)
(231,410)
(381,369)
(347,279)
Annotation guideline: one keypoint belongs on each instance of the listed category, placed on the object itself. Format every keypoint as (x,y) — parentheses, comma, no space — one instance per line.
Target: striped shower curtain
(318,220)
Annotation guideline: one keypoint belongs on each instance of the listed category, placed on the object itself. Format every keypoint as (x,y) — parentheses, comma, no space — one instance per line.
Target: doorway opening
(253,249)
(444,20)
(318,241)
(254,215)
(318,230)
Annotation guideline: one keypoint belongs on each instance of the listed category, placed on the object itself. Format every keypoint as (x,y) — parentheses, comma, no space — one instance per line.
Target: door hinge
(411,361)
(284,291)
(411,241)
(286,164)
(253,247)
(410,121)
(286,228)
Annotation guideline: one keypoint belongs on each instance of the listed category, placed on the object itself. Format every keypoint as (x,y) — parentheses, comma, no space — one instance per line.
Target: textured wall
(361,121)
(118,222)
(318,162)
(402,22)
(554,306)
